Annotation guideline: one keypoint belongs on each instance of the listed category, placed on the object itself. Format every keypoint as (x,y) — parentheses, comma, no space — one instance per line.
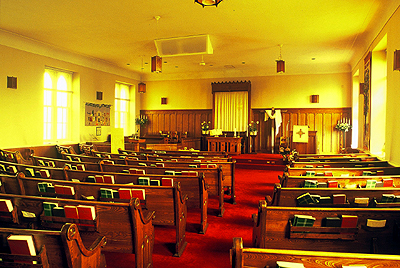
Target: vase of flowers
(342,126)
(253,128)
(288,155)
(205,127)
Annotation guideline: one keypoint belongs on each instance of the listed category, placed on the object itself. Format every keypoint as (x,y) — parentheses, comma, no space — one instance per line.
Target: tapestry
(300,133)
(97,114)
(367,102)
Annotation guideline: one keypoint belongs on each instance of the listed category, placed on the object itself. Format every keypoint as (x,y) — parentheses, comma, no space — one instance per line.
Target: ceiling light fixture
(156,61)
(208,2)
(141,85)
(280,64)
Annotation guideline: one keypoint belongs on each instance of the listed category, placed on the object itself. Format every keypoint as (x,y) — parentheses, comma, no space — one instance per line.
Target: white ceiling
(317,36)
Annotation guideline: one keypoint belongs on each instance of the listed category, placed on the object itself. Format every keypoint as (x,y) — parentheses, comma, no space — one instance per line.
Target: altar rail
(231,145)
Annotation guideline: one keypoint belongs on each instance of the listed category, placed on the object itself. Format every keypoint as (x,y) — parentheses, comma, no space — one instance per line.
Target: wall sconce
(11,82)
(314,98)
(142,87)
(99,95)
(396,60)
(156,64)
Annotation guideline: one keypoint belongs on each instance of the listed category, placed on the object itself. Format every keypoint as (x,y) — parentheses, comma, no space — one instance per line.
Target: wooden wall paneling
(327,133)
(319,128)
(302,119)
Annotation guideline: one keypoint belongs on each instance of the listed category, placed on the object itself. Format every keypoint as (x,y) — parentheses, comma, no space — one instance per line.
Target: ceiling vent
(181,46)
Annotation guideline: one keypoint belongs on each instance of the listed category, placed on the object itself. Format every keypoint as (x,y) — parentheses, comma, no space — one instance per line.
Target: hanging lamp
(141,85)
(208,2)
(280,64)
(156,61)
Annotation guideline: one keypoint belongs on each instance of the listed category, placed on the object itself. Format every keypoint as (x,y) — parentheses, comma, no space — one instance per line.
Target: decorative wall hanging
(97,114)
(367,102)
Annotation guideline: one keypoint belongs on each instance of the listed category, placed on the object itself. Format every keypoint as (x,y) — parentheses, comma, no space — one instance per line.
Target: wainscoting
(322,120)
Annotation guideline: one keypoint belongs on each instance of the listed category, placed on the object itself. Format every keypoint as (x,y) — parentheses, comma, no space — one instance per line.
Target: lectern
(309,147)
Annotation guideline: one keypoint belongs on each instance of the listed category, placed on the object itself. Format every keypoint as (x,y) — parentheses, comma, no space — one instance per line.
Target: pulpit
(309,147)
(231,145)
(135,142)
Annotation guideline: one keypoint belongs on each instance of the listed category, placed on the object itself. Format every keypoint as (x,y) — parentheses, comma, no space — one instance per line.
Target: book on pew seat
(50,188)
(167,182)
(109,162)
(316,198)
(333,184)
(142,164)
(21,245)
(361,200)
(80,167)
(197,160)
(58,212)
(124,193)
(109,179)
(366,173)
(305,199)
(106,193)
(51,164)
(98,178)
(64,189)
(138,193)
(331,222)
(339,199)
(133,171)
(387,198)
(144,181)
(310,173)
(44,173)
(155,183)
(322,184)
(286,264)
(29,172)
(397,198)
(48,208)
(387,182)
(71,212)
(379,184)
(160,165)
(69,158)
(376,223)
(203,165)
(169,172)
(159,159)
(2,167)
(184,173)
(86,212)
(6,205)
(211,166)
(303,220)
(140,171)
(310,183)
(115,194)
(12,169)
(193,166)
(349,221)
(193,173)
(325,200)
(344,175)
(370,184)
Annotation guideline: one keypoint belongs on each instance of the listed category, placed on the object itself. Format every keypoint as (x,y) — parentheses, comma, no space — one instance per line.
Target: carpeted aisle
(212,249)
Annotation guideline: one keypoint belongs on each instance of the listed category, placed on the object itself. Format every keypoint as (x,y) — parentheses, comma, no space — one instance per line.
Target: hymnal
(21,244)
(6,205)
(349,221)
(86,212)
(71,212)
(167,182)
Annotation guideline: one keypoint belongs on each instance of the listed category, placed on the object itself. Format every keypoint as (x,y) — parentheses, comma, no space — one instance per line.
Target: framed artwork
(97,114)
(98,131)
(367,102)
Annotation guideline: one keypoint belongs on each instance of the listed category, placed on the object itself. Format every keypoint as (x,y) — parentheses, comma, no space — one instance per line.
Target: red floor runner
(211,249)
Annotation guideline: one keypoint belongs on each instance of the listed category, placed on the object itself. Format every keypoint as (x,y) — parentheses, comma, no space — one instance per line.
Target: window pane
(62,99)
(48,83)
(62,83)
(47,97)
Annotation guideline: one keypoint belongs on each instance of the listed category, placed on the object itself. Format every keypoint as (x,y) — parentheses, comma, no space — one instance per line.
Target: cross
(300,132)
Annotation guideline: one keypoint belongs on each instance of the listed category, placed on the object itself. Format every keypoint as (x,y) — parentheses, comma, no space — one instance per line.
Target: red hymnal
(108,179)
(21,245)
(167,182)
(387,182)
(132,171)
(6,205)
(124,193)
(86,212)
(138,193)
(71,212)
(349,221)
(99,178)
(333,184)
(44,173)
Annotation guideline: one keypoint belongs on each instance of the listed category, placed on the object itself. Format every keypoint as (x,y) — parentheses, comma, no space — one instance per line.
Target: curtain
(231,111)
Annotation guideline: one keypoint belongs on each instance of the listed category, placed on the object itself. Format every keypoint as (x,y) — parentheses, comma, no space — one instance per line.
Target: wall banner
(97,114)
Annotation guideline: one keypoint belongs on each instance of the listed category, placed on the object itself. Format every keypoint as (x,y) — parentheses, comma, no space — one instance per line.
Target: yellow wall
(283,91)
(21,109)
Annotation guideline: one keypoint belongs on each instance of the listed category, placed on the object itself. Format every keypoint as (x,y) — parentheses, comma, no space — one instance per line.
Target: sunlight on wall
(378,98)
(355,109)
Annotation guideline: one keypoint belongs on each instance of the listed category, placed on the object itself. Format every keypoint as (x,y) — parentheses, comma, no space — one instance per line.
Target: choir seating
(273,229)
(242,257)
(124,225)
(168,203)
(63,249)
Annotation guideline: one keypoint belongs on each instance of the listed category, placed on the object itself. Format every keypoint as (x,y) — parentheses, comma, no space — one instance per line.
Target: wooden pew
(61,163)
(228,170)
(54,172)
(346,171)
(168,203)
(184,152)
(89,158)
(123,224)
(272,229)
(63,248)
(241,257)
(213,178)
(186,188)
(338,159)
(286,197)
(298,181)
(13,156)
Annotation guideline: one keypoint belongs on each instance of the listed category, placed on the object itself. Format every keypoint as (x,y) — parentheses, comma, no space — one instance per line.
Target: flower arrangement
(253,126)
(205,126)
(141,120)
(288,155)
(343,126)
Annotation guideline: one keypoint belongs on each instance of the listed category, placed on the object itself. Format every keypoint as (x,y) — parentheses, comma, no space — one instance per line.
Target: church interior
(261,84)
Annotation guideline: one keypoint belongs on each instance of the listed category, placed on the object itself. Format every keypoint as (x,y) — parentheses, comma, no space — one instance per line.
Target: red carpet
(212,249)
